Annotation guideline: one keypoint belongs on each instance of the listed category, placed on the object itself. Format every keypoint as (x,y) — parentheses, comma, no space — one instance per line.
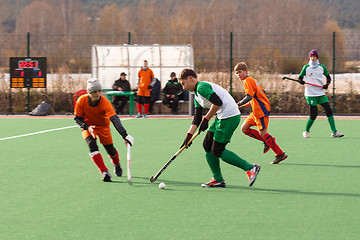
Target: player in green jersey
(219,101)
(314,73)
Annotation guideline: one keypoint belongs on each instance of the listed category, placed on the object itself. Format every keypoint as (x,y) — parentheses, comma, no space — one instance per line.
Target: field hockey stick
(291,79)
(153,178)
(128,164)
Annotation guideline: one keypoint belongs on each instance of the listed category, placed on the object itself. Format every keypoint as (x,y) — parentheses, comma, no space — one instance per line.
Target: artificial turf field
(50,189)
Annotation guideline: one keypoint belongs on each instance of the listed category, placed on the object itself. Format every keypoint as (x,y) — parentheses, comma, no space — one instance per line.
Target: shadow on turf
(246,188)
(321,165)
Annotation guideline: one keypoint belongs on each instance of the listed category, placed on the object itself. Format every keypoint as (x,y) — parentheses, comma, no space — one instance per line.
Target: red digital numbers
(19,73)
(28,64)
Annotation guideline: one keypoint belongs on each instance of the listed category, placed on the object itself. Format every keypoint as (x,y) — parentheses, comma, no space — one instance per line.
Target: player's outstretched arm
(121,130)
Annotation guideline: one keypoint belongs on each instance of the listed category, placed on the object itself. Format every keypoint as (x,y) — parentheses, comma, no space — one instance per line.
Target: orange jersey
(259,103)
(97,116)
(145,78)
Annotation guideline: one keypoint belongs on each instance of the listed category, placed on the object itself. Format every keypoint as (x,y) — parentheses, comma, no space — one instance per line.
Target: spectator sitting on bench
(154,95)
(120,85)
(171,92)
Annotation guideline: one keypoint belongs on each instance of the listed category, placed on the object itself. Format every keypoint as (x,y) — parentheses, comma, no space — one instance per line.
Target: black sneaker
(106,176)
(213,183)
(266,148)
(279,158)
(118,170)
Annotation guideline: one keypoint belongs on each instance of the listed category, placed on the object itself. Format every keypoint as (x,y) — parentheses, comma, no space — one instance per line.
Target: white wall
(108,61)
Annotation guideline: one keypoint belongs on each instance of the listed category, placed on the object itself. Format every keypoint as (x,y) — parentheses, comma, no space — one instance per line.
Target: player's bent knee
(92,144)
(110,149)
(313,112)
(218,148)
(245,130)
(208,141)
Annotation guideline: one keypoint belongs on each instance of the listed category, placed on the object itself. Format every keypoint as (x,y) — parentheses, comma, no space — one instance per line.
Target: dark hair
(185,73)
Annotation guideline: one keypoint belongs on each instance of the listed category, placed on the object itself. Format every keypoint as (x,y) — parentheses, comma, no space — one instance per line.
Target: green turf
(50,189)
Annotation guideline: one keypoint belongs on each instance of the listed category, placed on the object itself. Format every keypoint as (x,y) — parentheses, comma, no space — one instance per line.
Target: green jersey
(203,92)
(314,74)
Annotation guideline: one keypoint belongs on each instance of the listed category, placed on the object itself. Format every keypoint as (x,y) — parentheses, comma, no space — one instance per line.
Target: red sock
(115,159)
(270,141)
(98,160)
(254,134)
(146,108)
(139,107)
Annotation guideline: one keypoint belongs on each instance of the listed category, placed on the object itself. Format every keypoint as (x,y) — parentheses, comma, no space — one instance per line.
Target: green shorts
(223,129)
(314,101)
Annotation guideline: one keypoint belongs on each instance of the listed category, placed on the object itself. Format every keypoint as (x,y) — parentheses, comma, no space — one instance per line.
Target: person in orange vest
(146,82)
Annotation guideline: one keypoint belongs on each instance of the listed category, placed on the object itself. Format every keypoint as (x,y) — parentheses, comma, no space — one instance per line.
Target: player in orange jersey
(256,97)
(93,113)
(146,82)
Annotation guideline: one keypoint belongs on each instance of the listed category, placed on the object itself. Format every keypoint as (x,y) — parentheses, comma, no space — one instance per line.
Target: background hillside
(281,32)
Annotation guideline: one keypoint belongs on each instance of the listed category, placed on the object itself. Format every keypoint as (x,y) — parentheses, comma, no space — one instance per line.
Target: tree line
(268,33)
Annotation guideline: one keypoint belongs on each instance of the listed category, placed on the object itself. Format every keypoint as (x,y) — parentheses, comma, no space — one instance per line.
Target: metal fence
(272,52)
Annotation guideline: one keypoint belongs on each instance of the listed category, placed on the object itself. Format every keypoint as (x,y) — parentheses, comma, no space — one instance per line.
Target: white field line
(34,133)
(45,131)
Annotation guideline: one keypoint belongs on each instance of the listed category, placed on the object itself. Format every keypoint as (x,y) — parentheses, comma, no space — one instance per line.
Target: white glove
(129,139)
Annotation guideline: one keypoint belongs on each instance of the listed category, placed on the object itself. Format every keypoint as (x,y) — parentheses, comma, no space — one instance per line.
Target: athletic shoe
(118,170)
(306,134)
(252,174)
(138,115)
(266,148)
(279,158)
(336,134)
(213,183)
(106,176)
(145,116)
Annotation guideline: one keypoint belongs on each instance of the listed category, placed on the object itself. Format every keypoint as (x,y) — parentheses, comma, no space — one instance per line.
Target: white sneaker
(336,134)
(306,134)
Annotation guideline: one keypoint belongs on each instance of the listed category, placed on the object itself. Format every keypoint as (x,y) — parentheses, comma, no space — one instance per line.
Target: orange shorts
(103,133)
(143,92)
(260,123)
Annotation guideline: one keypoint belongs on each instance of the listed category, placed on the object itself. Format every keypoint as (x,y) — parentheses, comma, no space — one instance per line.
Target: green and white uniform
(226,122)
(314,73)
(203,92)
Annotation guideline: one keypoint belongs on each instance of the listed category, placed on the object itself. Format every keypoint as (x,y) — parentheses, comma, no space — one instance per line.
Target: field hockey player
(219,101)
(256,97)
(314,73)
(93,113)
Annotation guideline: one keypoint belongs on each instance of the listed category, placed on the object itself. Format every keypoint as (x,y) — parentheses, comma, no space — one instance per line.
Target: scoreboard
(28,72)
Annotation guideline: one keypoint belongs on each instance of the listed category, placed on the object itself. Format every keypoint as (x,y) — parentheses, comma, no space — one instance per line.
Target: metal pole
(28,44)
(129,38)
(334,72)
(231,61)
(28,55)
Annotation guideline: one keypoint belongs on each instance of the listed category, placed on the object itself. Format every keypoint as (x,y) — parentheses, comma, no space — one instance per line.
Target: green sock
(233,159)
(331,121)
(214,165)
(309,124)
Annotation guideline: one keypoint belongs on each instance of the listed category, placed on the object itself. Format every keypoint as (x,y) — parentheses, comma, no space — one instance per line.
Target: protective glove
(129,139)
(187,139)
(325,86)
(302,82)
(204,125)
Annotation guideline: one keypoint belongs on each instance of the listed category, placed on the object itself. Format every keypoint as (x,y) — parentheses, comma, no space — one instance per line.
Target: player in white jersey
(210,95)
(314,73)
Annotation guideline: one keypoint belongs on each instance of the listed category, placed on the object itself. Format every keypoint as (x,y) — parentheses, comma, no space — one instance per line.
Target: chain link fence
(271,52)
